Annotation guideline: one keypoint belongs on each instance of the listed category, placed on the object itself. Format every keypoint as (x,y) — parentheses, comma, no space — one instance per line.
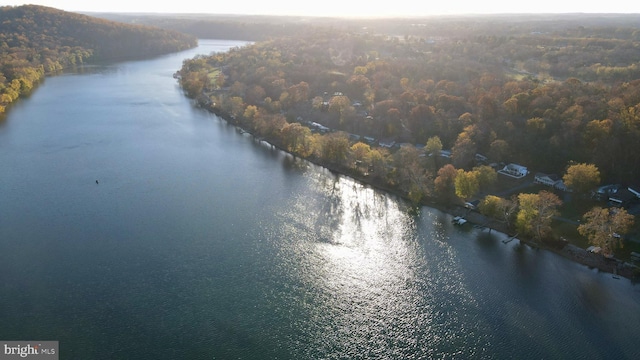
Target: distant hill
(36,40)
(229,27)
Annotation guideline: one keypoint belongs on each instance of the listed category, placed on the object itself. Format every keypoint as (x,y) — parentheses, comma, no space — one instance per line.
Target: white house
(514,170)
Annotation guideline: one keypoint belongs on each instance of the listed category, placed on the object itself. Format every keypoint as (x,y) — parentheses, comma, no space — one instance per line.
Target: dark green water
(200,243)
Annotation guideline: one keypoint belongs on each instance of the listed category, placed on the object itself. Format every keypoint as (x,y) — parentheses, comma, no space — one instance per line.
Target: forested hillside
(542,98)
(233,27)
(36,40)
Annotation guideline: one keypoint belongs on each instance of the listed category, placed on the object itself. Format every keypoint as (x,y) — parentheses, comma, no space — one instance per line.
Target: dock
(483,226)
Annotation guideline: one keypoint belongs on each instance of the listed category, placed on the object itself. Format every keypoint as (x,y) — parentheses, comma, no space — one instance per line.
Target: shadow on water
(526,262)
(591,294)
(290,162)
(487,241)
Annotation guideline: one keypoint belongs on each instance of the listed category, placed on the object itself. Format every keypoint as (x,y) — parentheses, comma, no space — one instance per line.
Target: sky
(341,8)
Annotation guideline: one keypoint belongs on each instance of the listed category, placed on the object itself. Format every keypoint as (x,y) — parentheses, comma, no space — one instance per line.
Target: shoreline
(613,266)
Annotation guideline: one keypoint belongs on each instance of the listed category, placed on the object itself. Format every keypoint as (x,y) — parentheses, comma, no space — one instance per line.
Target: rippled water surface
(200,243)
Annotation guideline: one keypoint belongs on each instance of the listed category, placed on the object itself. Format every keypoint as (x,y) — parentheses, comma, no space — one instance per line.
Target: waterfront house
(514,171)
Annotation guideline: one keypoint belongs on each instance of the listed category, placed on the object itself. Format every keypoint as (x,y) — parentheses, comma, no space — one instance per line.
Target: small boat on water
(459,220)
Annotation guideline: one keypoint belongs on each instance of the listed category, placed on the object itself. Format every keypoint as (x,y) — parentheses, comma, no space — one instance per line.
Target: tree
(379,166)
(299,92)
(432,149)
(255,94)
(536,212)
(498,208)
(234,106)
(334,147)
(250,112)
(487,176)
(605,227)
(193,83)
(411,174)
(489,206)
(464,151)
(339,105)
(445,181)
(466,184)
(295,138)
(499,150)
(582,177)
(361,151)
(421,122)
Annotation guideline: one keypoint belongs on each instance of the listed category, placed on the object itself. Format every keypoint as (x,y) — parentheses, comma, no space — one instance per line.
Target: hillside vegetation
(37,40)
(539,99)
(426,112)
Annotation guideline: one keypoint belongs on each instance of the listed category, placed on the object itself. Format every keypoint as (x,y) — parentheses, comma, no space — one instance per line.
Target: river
(134,225)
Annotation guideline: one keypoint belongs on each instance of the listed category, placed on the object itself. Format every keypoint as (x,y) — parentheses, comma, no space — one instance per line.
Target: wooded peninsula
(524,120)
(37,40)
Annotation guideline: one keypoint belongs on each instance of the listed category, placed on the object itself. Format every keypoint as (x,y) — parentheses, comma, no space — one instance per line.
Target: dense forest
(37,40)
(558,98)
(542,99)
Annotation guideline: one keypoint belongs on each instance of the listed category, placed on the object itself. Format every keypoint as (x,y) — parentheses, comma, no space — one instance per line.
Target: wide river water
(199,242)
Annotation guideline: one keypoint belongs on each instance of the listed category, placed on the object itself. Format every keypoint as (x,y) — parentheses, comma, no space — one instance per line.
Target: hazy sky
(349,8)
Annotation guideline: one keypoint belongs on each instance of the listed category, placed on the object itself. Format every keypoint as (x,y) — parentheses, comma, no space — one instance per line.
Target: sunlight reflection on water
(378,290)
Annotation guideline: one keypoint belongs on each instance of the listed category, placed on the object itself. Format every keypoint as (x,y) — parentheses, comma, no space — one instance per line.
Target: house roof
(515,167)
(552,177)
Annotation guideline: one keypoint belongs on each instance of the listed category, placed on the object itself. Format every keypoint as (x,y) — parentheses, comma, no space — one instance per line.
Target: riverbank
(563,248)
(614,266)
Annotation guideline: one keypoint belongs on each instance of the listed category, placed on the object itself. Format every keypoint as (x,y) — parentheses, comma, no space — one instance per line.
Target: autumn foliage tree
(536,211)
(297,139)
(582,177)
(334,147)
(445,182)
(412,176)
(486,175)
(605,227)
(499,208)
(432,149)
(466,184)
